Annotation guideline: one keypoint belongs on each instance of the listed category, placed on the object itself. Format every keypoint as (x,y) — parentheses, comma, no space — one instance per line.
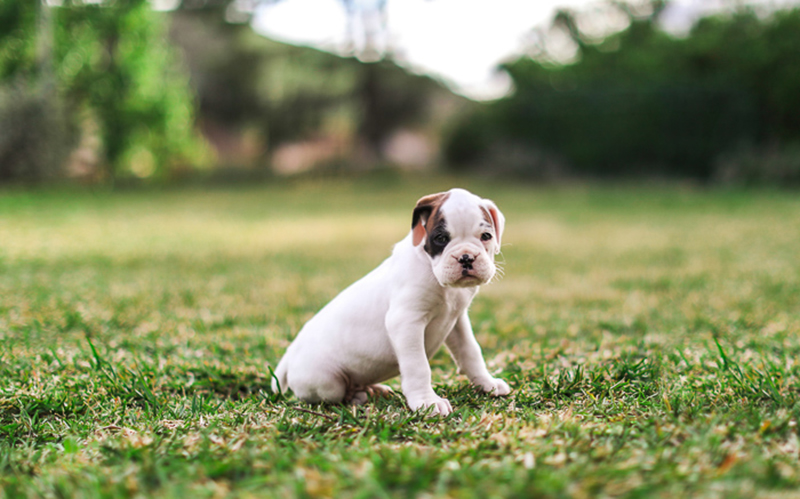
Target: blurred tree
(380,96)
(642,101)
(289,93)
(115,58)
(112,66)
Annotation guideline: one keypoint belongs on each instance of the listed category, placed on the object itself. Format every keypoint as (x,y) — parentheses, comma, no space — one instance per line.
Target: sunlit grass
(651,334)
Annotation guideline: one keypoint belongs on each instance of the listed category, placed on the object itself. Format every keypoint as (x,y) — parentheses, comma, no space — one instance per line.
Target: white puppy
(396,317)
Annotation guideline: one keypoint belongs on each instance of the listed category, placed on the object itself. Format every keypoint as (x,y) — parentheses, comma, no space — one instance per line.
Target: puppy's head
(460,233)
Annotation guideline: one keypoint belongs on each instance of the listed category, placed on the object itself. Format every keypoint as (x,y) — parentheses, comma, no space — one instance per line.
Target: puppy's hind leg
(319,387)
(378,390)
(359,396)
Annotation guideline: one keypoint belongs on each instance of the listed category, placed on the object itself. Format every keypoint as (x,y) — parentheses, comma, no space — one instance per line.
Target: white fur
(394,319)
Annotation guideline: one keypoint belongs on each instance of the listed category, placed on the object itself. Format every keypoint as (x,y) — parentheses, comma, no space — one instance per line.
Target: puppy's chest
(444,317)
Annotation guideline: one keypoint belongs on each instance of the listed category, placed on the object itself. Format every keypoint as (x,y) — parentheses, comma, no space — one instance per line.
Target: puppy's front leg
(408,341)
(467,353)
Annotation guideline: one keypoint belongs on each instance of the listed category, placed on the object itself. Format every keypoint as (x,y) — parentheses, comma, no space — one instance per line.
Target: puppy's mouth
(468,277)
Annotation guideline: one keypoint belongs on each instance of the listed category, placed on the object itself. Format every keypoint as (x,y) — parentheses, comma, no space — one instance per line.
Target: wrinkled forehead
(464,211)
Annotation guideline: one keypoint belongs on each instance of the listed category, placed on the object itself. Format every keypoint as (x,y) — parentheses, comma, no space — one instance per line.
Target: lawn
(651,335)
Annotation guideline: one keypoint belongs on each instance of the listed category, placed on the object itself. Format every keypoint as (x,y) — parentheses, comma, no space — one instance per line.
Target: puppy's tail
(279,381)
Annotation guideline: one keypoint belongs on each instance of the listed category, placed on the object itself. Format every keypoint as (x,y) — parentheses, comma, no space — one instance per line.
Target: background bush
(644,102)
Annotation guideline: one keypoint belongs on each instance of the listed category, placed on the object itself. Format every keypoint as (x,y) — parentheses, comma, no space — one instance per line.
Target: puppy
(394,319)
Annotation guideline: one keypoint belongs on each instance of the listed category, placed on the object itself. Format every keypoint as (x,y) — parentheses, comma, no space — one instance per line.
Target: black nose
(466,260)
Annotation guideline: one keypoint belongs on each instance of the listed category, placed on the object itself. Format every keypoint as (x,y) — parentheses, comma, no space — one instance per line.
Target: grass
(651,336)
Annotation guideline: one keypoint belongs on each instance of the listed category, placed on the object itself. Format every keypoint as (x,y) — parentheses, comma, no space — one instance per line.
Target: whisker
(498,274)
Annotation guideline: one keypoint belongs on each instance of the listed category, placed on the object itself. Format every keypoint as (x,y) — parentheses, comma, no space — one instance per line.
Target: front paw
(495,387)
(438,405)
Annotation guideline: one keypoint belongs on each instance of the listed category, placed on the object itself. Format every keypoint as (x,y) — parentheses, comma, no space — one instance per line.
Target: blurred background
(149,91)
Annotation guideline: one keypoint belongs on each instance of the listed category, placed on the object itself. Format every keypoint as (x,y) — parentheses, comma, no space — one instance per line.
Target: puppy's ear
(422,212)
(498,220)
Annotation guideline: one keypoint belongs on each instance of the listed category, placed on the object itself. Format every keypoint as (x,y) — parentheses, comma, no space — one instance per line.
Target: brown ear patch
(427,209)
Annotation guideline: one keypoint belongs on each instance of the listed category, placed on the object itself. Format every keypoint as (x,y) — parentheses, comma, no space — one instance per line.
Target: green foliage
(17,43)
(642,101)
(651,336)
(112,66)
(116,59)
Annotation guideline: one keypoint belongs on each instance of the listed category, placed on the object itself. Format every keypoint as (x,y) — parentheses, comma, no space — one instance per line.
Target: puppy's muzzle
(466,261)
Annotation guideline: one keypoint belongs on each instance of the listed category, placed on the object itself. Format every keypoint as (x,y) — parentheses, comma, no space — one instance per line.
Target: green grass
(651,336)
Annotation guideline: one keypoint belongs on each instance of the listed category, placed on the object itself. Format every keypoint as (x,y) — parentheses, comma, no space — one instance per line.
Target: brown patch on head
(427,213)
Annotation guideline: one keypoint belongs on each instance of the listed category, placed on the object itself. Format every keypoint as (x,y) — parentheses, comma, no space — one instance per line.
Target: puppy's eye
(441,239)
(486,236)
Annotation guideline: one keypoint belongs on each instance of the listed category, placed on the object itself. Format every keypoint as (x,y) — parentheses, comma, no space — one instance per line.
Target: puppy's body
(394,319)
(348,339)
